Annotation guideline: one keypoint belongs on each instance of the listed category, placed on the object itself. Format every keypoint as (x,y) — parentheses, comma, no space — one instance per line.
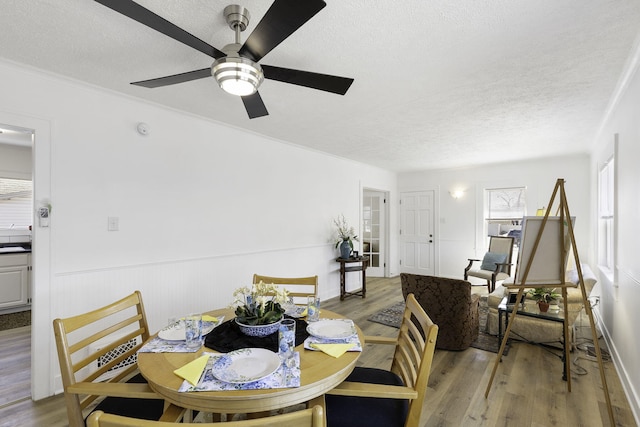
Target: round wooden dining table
(319,373)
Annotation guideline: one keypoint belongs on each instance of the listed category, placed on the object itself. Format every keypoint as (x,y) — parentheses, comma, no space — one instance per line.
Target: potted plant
(543,296)
(345,236)
(259,309)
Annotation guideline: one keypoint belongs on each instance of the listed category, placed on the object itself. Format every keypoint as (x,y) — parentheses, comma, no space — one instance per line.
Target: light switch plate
(114,223)
(43,216)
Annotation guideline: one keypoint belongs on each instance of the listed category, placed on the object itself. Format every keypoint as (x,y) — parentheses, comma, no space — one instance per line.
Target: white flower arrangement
(261,304)
(345,233)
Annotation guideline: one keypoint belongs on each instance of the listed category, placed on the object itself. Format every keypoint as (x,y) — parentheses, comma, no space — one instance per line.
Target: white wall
(201,206)
(15,161)
(620,298)
(459,226)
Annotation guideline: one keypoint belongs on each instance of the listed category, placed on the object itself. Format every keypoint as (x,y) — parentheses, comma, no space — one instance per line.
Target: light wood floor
(528,389)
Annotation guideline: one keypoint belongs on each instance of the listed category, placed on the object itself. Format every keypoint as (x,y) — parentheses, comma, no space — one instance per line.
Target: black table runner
(228,337)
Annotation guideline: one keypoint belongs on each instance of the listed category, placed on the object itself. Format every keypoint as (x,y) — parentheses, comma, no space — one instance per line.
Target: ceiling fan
(236,67)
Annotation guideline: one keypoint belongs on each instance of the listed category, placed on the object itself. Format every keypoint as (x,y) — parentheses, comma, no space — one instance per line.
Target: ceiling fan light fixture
(237,76)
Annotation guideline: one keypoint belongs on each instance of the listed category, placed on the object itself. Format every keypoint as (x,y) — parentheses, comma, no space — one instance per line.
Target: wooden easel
(565,218)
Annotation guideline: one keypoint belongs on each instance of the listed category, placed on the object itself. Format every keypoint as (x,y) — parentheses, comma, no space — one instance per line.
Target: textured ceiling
(438,84)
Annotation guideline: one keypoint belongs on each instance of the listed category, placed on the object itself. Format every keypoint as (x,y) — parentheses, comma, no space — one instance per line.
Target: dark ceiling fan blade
(254,106)
(174,79)
(324,82)
(282,19)
(134,11)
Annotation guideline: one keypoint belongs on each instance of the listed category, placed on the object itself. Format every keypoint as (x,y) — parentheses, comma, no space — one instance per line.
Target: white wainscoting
(178,287)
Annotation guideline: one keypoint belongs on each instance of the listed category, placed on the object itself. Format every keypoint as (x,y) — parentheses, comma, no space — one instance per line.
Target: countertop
(15,248)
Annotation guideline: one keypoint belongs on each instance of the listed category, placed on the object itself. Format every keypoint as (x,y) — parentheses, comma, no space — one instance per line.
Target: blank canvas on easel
(545,268)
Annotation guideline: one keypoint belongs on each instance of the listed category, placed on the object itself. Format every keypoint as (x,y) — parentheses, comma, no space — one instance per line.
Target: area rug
(392,316)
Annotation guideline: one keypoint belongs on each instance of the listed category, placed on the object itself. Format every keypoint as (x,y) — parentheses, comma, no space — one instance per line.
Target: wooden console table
(363,263)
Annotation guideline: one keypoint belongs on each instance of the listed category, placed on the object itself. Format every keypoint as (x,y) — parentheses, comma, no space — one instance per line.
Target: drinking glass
(193,330)
(173,320)
(289,305)
(286,338)
(313,308)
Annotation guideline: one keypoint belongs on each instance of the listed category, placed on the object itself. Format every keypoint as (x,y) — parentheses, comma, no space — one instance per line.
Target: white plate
(332,329)
(245,365)
(175,331)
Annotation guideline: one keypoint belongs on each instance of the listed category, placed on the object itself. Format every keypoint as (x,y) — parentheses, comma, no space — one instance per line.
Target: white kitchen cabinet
(14,280)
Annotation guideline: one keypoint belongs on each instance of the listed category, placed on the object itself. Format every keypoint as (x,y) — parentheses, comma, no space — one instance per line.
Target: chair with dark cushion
(389,398)
(97,355)
(451,306)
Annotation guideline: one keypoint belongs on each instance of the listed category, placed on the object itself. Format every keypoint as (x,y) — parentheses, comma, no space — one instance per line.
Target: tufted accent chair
(450,305)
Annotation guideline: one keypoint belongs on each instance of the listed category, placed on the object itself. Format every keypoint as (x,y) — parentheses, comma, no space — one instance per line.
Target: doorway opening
(16,223)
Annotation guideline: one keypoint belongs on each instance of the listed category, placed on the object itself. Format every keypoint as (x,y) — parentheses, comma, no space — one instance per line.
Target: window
(606,203)
(15,203)
(505,208)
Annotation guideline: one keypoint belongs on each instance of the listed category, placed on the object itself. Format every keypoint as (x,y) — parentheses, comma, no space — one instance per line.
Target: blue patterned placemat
(284,377)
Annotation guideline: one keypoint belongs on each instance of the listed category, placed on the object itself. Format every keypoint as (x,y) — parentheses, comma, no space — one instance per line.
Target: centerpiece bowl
(258,309)
(258,330)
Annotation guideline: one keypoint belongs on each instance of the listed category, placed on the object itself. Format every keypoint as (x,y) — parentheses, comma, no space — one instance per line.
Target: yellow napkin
(335,350)
(192,371)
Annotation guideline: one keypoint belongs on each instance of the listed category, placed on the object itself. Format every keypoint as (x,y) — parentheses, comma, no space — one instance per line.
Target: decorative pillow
(490,259)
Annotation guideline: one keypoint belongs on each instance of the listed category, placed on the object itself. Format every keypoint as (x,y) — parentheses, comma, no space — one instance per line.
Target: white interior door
(373,231)
(417,253)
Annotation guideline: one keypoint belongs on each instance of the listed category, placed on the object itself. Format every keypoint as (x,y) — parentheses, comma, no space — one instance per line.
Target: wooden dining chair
(372,396)
(312,417)
(97,352)
(299,287)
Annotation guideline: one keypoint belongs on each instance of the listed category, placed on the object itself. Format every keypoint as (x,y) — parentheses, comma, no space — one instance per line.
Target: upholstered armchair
(451,306)
(496,264)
